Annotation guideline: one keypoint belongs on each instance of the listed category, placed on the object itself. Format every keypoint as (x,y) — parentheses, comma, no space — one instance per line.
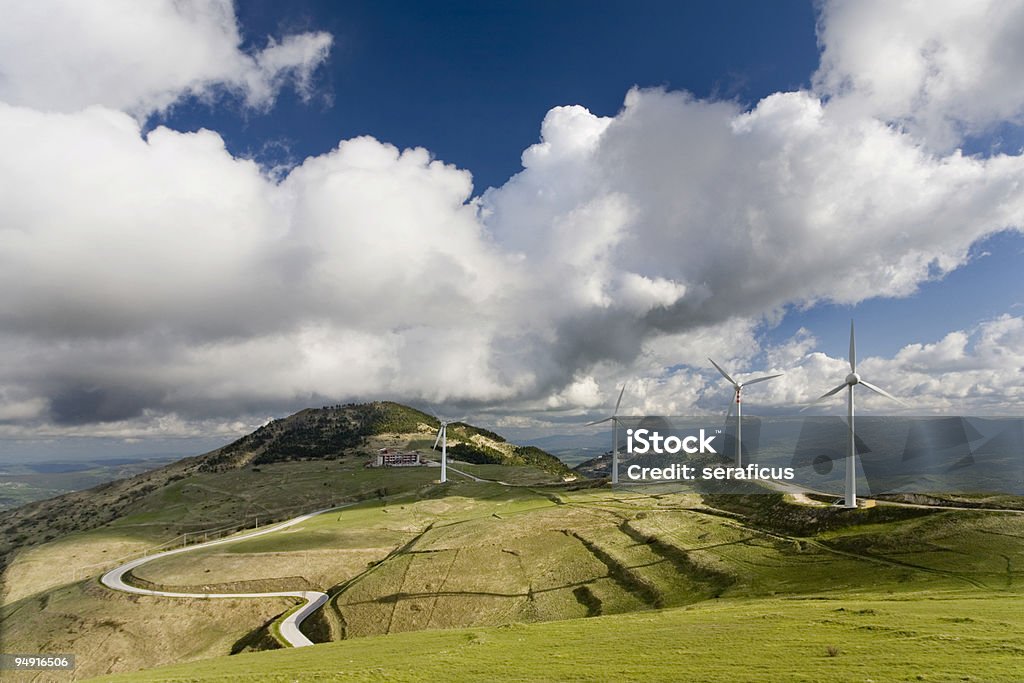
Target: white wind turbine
(738,389)
(442,436)
(615,435)
(852,380)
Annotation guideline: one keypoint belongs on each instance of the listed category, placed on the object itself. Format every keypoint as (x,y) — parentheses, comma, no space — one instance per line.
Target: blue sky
(988,286)
(219,213)
(471,81)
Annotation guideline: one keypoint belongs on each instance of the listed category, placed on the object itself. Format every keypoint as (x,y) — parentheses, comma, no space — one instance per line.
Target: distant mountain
(595,468)
(567,442)
(572,449)
(318,434)
(22,483)
(333,431)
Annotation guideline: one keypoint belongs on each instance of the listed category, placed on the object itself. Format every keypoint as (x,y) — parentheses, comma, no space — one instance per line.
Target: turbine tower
(738,388)
(615,435)
(442,436)
(852,380)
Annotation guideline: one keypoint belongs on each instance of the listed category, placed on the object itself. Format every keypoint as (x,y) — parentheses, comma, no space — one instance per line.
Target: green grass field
(524,475)
(52,597)
(224,501)
(471,581)
(489,555)
(873,637)
(273,492)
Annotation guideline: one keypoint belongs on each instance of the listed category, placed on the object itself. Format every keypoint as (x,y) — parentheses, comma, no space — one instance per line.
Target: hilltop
(334,431)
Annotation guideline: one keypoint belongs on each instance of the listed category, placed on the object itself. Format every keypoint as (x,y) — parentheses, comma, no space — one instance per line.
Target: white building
(390,458)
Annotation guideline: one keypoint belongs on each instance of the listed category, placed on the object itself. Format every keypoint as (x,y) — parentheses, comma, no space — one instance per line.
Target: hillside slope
(902,594)
(483,554)
(862,638)
(332,433)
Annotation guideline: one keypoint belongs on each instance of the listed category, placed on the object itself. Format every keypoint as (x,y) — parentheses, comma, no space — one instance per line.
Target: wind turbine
(738,388)
(852,380)
(442,436)
(615,435)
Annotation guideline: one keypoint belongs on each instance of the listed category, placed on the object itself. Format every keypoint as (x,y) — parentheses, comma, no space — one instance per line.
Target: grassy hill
(500,559)
(543,583)
(310,460)
(346,435)
(870,637)
(328,433)
(536,578)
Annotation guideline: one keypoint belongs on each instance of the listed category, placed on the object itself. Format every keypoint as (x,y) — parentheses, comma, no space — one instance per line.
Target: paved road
(474,477)
(467,474)
(289,627)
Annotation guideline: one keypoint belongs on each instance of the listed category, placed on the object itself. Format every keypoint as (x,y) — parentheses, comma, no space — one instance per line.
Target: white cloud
(17,411)
(159,282)
(172,274)
(942,68)
(582,392)
(141,57)
(979,371)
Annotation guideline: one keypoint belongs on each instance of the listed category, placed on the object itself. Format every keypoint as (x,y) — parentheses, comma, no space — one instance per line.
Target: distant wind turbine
(852,380)
(738,389)
(615,435)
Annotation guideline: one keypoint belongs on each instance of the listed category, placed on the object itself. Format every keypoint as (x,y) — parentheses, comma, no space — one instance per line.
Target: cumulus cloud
(142,57)
(716,213)
(967,372)
(941,69)
(174,275)
(158,284)
(976,371)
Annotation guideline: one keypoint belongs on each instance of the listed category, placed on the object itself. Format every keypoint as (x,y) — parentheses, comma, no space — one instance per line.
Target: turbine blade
(833,391)
(438,437)
(724,373)
(597,422)
(881,392)
(824,396)
(728,413)
(853,350)
(761,379)
(617,403)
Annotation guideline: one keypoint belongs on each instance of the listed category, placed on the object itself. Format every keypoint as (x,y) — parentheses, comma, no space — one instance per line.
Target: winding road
(289,627)
(476,478)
